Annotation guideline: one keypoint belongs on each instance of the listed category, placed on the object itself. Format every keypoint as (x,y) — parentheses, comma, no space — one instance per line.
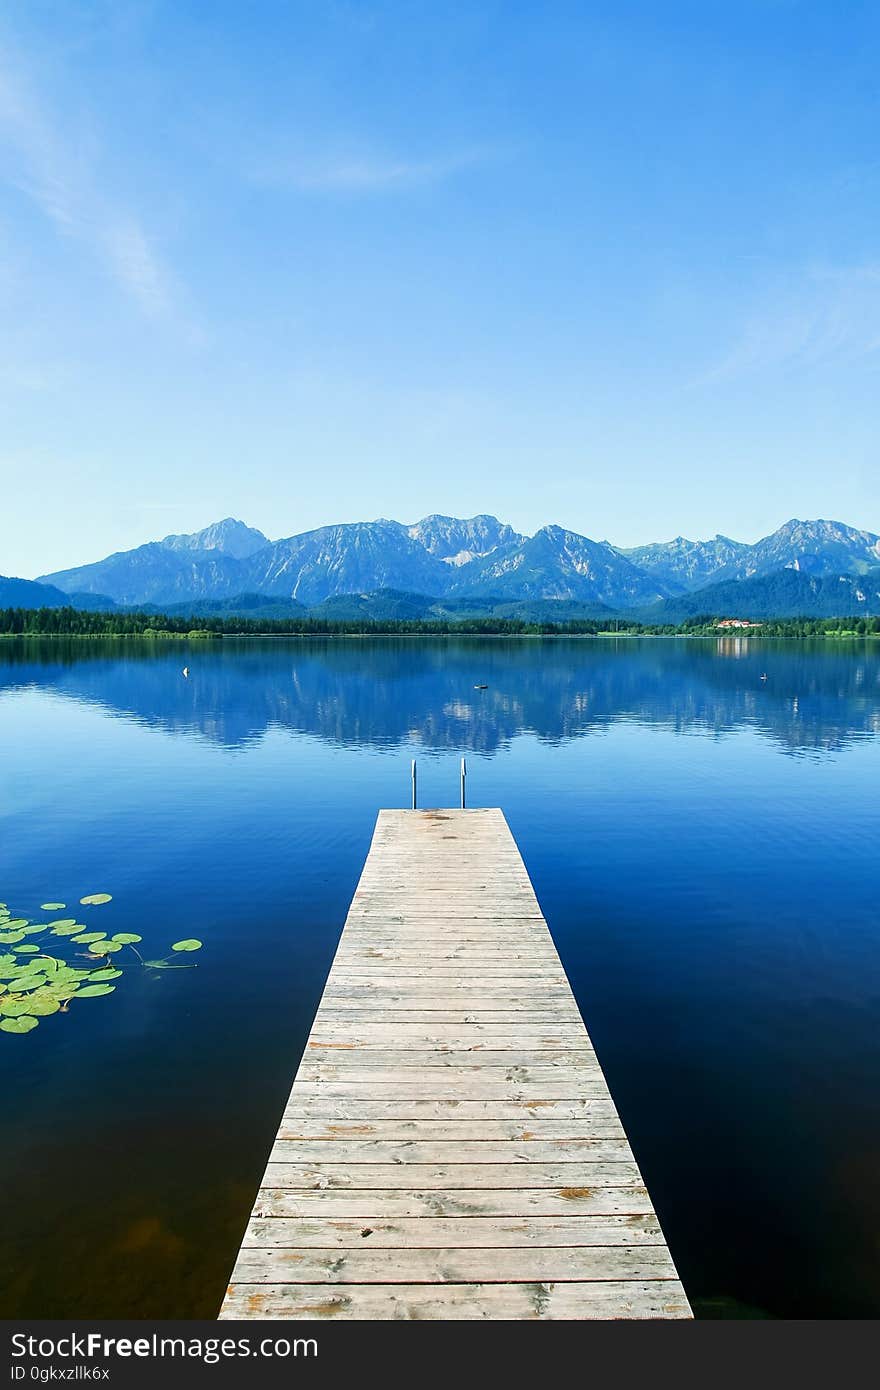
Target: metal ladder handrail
(415,785)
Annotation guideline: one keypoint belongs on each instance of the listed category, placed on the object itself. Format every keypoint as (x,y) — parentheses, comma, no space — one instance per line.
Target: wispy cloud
(821,314)
(368,172)
(136,264)
(54,171)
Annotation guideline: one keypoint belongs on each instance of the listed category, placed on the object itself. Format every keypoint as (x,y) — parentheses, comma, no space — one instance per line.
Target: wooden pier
(450,1148)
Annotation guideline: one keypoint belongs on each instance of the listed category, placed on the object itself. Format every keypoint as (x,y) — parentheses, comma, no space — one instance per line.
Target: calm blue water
(703,843)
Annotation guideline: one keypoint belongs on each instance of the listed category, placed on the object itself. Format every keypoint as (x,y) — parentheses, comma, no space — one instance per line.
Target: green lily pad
(26,979)
(18,1025)
(35,984)
(43,1004)
(13,1008)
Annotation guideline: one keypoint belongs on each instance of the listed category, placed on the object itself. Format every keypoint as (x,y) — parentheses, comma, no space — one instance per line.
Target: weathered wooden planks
(378,1204)
(450,1148)
(519,1301)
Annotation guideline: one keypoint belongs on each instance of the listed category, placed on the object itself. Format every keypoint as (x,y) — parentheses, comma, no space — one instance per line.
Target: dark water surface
(704,844)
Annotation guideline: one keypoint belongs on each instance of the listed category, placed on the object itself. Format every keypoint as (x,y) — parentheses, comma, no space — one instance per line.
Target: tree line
(74,622)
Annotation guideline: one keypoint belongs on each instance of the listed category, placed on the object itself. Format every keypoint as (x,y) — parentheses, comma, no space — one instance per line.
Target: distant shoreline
(207,639)
(69,621)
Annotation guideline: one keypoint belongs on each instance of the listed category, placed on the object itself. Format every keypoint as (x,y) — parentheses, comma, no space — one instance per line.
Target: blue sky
(613,265)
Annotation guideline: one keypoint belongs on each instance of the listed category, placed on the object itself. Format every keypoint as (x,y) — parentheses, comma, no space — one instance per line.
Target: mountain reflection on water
(714,905)
(381,692)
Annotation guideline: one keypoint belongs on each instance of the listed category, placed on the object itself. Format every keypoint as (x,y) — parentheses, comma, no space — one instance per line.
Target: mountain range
(478,563)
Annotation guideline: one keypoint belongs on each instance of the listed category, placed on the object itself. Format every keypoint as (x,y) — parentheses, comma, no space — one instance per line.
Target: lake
(701,823)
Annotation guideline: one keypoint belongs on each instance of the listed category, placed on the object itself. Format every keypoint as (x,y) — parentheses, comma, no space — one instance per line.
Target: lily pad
(18,1025)
(13,1008)
(26,984)
(67,972)
(43,1004)
(35,984)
